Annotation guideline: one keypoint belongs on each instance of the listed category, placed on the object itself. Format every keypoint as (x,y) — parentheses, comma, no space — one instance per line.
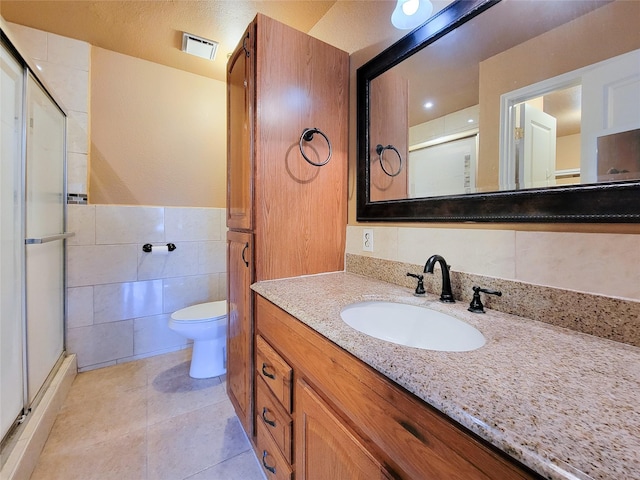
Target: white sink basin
(412,326)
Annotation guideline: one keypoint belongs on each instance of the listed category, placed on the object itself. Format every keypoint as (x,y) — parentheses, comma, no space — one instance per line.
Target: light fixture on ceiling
(199,46)
(409,14)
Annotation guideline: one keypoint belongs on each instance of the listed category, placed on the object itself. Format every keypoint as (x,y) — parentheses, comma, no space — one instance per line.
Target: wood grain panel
(301,83)
(273,463)
(275,418)
(240,122)
(326,448)
(276,373)
(240,326)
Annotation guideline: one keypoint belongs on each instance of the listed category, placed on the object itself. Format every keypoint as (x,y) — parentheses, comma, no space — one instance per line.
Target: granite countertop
(563,403)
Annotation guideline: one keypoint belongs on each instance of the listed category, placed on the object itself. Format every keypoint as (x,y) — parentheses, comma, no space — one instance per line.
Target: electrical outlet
(367,240)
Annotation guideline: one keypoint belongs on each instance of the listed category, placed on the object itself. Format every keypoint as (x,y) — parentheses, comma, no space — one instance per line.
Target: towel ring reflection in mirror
(380,150)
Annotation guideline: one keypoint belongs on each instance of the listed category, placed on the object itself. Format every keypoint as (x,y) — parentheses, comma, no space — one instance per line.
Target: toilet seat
(202,312)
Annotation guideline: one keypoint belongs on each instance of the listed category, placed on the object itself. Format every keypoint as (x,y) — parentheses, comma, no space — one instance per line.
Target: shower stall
(32,230)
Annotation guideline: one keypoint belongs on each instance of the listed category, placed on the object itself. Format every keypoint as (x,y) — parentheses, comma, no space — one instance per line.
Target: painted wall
(158,135)
(546,56)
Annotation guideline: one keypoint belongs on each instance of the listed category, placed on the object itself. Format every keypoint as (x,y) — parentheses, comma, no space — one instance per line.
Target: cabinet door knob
(264,462)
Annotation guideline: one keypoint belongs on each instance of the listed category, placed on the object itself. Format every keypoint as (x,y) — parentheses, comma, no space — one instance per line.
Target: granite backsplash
(606,317)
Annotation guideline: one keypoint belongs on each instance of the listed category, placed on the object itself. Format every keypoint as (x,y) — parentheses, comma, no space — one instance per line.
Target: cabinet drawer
(273,462)
(276,373)
(274,418)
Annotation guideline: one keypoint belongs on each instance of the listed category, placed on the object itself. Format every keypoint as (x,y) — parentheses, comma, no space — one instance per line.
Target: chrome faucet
(446,295)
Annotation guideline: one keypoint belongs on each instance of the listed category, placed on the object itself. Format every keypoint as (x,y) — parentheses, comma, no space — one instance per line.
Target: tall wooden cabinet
(286,216)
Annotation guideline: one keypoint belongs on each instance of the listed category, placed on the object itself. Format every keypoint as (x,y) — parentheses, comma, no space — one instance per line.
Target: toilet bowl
(206,324)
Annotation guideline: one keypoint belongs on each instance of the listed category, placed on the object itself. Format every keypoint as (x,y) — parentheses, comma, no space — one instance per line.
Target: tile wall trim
(607,317)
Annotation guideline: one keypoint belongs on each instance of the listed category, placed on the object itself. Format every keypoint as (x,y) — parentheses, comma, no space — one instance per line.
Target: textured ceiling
(152,29)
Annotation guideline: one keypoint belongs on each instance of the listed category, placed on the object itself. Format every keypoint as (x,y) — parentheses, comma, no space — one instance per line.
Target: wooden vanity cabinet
(274,425)
(293,215)
(326,447)
(351,422)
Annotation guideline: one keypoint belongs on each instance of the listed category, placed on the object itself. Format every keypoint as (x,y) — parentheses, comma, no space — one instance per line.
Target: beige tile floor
(147,420)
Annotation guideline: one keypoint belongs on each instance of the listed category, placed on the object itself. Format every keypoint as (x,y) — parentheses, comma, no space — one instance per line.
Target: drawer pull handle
(267,374)
(266,420)
(264,463)
(246,247)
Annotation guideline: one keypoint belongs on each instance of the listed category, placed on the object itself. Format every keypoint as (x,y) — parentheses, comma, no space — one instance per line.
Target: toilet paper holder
(147,247)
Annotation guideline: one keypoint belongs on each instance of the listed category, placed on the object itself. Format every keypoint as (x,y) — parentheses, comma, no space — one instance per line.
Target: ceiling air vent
(198,46)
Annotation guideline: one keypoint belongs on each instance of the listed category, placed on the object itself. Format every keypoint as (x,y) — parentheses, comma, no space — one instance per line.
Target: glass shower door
(45,202)
(11,247)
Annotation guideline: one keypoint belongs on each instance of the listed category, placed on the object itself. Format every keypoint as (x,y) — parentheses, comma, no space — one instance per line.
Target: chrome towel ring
(380,150)
(307,136)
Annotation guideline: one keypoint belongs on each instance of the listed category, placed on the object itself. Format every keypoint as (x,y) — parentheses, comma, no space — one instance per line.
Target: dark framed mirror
(483,66)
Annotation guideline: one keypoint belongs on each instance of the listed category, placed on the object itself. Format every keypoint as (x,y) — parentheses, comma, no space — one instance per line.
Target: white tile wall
(119,298)
(79,307)
(151,336)
(95,264)
(193,224)
(100,344)
(455,122)
(587,262)
(70,85)
(120,301)
(180,292)
(182,261)
(597,263)
(123,224)
(64,66)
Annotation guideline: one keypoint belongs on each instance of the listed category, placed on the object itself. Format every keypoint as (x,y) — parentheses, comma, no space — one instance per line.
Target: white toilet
(206,324)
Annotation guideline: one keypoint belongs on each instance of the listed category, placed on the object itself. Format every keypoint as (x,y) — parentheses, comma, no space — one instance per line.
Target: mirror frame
(589,203)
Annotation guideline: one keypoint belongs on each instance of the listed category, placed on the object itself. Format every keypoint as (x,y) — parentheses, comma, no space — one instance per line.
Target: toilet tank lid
(201,311)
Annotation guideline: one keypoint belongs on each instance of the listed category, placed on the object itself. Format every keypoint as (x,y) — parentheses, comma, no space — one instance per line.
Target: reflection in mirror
(529,94)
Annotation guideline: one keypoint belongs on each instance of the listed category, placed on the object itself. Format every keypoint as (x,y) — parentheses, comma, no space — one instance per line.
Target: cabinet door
(240,104)
(300,217)
(325,448)
(240,329)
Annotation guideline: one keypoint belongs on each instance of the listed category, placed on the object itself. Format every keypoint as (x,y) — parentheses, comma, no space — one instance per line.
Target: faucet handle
(476,305)
(420,288)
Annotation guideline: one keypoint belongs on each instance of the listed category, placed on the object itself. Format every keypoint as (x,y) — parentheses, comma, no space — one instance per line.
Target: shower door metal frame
(30,71)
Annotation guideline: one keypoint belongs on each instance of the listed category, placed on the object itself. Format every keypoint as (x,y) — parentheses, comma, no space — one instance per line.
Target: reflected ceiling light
(409,14)
(428,105)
